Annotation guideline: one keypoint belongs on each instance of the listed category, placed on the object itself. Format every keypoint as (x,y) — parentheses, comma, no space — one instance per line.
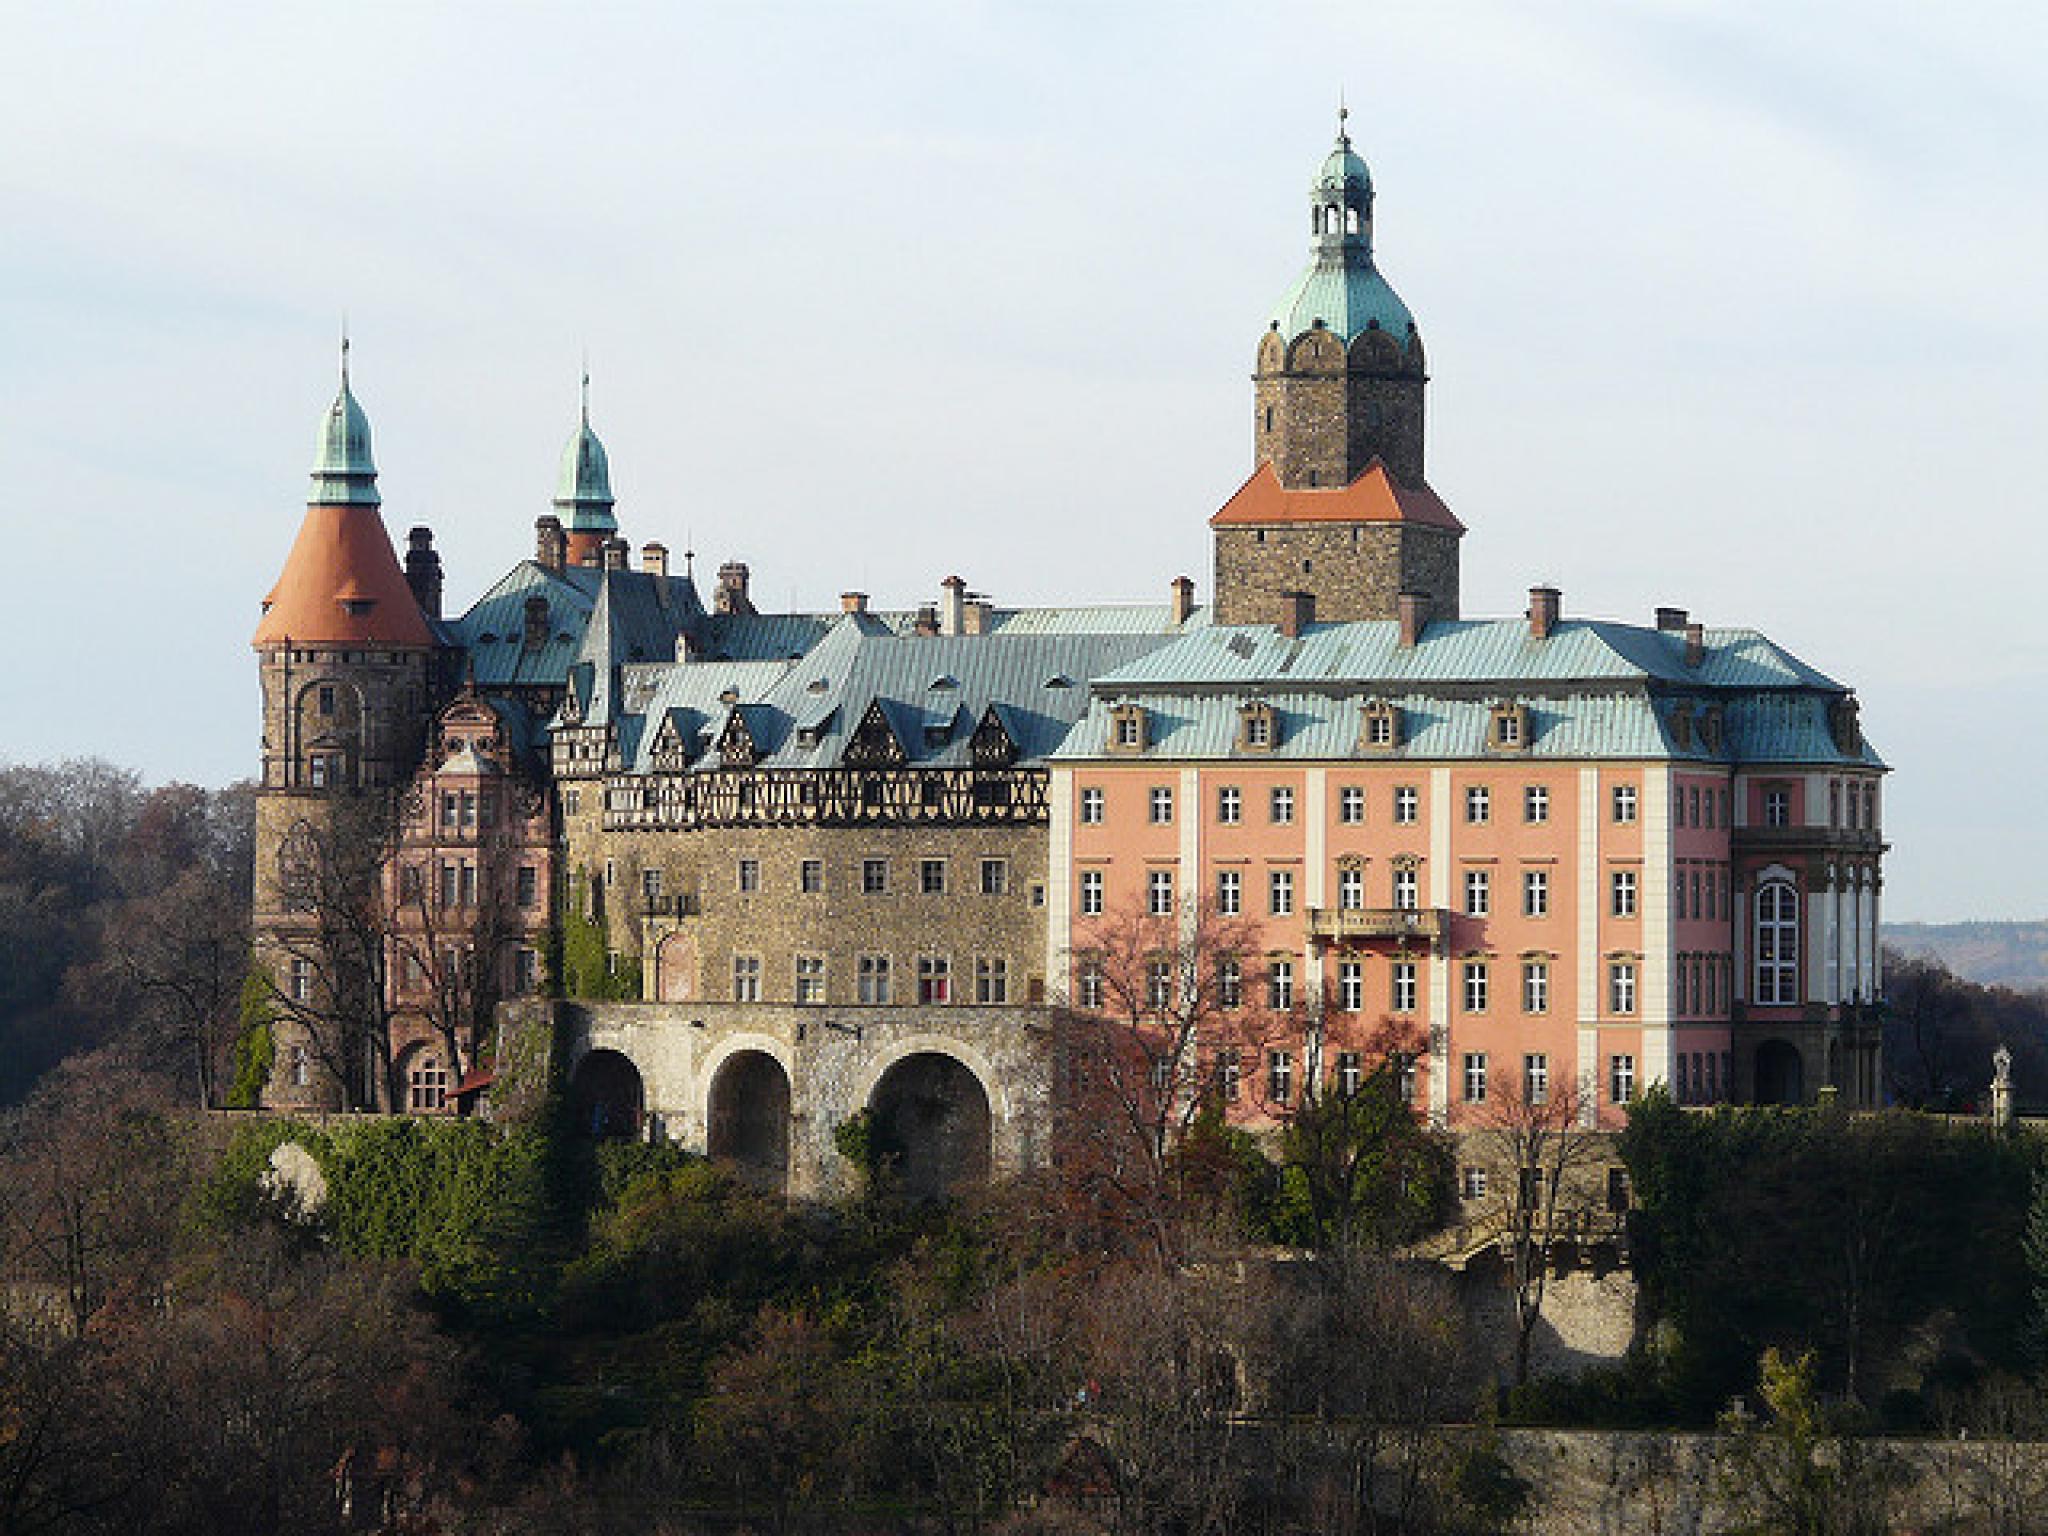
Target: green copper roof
(1341,289)
(343,473)
(583,490)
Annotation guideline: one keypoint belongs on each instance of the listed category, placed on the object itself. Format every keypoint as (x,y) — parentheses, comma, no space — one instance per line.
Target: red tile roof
(1372,498)
(342,553)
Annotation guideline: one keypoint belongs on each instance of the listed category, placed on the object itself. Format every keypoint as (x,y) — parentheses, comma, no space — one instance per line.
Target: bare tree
(174,961)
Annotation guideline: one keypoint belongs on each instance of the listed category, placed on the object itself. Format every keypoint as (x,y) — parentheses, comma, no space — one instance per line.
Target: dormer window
(1843,724)
(1681,727)
(937,735)
(1257,728)
(1129,729)
(1380,730)
(356,607)
(1507,728)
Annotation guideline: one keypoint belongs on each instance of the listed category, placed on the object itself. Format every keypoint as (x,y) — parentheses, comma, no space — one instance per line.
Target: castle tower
(583,492)
(346,659)
(1337,507)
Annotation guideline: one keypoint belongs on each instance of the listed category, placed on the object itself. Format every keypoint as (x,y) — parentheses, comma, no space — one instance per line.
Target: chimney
(1414,611)
(551,544)
(927,620)
(853,602)
(1671,619)
(1183,599)
(423,571)
(977,615)
(1695,644)
(1297,612)
(952,600)
(654,559)
(1543,606)
(732,588)
(615,552)
(535,632)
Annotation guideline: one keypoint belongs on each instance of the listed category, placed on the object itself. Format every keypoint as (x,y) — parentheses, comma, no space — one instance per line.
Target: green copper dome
(343,472)
(583,490)
(1341,288)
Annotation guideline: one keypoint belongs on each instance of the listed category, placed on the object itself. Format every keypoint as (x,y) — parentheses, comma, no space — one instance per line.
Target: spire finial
(1343,115)
(586,386)
(344,351)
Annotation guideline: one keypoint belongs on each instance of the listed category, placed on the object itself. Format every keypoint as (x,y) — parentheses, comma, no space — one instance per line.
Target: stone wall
(1354,570)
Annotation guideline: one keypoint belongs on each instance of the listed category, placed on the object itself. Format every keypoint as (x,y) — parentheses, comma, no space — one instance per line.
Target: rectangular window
(1475,1077)
(1279,1076)
(1351,804)
(1692,806)
(1230,982)
(1229,805)
(1230,1076)
(934,979)
(1350,985)
(326,699)
(1283,805)
(810,979)
(1351,888)
(1478,892)
(1621,986)
(749,876)
(1472,1184)
(468,809)
(810,877)
(1536,1078)
(931,876)
(451,810)
(528,886)
(1091,893)
(1350,1074)
(1258,730)
(449,888)
(1535,986)
(995,877)
(1624,888)
(1535,893)
(1091,807)
(872,974)
(1407,804)
(1777,807)
(1402,986)
(1621,1078)
(572,801)
(1624,803)
(1229,892)
(1159,892)
(991,980)
(1478,804)
(1476,977)
(1405,889)
(746,978)
(650,886)
(1280,892)
(1159,984)
(1280,984)
(874,877)
(1088,984)
(1161,802)
(302,981)
(1535,804)
(525,971)
(469,885)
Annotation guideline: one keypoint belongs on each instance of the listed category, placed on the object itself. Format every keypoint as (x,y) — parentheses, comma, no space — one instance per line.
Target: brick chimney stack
(551,544)
(1183,599)
(732,596)
(654,559)
(952,605)
(1671,620)
(927,620)
(853,602)
(1544,603)
(1695,644)
(1413,609)
(614,552)
(1297,612)
(423,571)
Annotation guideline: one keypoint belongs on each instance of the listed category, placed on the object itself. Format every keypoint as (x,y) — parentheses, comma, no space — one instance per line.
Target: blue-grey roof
(343,472)
(583,489)
(493,631)
(1345,292)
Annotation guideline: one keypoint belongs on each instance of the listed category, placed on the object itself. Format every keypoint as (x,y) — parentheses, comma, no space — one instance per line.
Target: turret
(583,491)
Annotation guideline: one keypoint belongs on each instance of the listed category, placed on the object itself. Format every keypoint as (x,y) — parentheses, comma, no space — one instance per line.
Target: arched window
(426,1083)
(1351,221)
(1777,942)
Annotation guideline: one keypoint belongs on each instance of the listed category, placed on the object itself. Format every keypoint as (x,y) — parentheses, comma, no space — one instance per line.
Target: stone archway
(675,969)
(932,1123)
(1780,1073)
(748,1118)
(605,1095)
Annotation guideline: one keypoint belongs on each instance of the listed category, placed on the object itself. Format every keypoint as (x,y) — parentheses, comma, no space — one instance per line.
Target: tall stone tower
(1337,508)
(347,663)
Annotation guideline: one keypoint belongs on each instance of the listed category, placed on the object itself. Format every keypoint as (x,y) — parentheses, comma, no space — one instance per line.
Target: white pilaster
(1440,1049)
(1586,904)
(1654,1003)
(1059,881)
(1315,857)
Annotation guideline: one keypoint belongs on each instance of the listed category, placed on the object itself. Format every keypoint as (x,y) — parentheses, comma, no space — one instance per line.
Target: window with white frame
(1475,1077)
(931,876)
(1282,802)
(1280,892)
(1535,804)
(1535,893)
(1229,805)
(302,980)
(1621,1078)
(1279,984)
(991,979)
(1230,982)
(1407,804)
(810,979)
(1229,1076)
(874,877)
(1351,804)
(1229,892)
(1535,1078)
(1401,986)
(1159,892)
(426,1084)
(1624,803)
(1160,804)
(1091,807)
(1621,986)
(1351,888)
(650,886)
(872,977)
(1777,943)
(746,978)
(1472,1184)
(810,877)
(934,979)
(1406,898)
(1091,893)
(1350,985)
(1088,984)
(1280,1076)
(1777,807)
(1158,983)
(995,877)
(1535,986)
(1478,892)
(1350,1074)
(1622,883)
(1477,974)
(1478,804)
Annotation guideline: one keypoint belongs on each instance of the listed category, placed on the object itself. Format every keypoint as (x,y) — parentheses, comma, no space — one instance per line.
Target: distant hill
(1995,954)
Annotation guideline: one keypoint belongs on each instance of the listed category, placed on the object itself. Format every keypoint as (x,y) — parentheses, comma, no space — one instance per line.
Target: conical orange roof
(342,586)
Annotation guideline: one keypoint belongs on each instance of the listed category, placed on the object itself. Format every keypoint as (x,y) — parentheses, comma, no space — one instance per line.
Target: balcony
(1337,923)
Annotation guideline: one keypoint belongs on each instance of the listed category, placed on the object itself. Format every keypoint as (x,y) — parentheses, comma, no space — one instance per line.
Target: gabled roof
(1374,497)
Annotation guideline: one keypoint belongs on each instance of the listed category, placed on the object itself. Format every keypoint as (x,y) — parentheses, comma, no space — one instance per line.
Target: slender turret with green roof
(583,490)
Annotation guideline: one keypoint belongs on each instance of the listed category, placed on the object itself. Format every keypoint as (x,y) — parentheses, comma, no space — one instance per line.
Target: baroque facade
(764,871)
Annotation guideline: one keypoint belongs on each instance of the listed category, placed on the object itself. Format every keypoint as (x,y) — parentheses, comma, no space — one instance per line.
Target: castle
(763,871)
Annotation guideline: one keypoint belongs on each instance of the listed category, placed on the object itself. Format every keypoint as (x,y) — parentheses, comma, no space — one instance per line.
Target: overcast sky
(1736,306)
